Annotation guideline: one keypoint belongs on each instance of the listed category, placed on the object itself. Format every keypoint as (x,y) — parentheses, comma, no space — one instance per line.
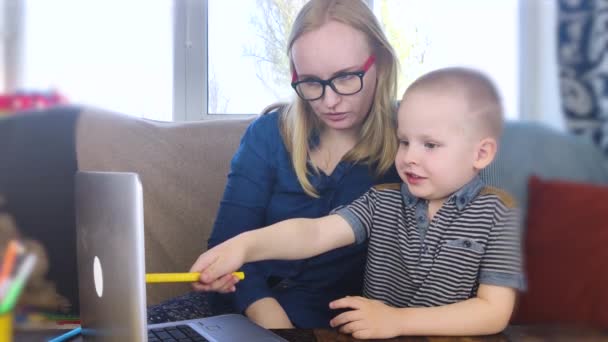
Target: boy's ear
(485,153)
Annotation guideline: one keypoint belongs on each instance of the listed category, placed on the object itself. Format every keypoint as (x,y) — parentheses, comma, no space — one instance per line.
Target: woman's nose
(331,98)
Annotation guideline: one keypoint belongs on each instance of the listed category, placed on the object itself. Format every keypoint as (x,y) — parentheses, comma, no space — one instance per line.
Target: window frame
(11,44)
(190,59)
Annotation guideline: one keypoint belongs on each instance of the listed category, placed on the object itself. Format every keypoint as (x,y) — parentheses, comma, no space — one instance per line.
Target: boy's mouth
(413,178)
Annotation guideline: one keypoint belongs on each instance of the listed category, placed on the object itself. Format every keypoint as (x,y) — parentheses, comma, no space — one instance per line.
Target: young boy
(444,250)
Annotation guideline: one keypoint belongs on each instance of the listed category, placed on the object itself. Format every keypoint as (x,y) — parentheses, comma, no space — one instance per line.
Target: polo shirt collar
(462,197)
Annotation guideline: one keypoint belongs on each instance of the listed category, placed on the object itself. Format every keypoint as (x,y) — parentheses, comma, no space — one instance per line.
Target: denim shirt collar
(461,197)
(320,180)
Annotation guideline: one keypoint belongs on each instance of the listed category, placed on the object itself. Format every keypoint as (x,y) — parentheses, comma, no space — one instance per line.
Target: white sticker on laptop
(98,276)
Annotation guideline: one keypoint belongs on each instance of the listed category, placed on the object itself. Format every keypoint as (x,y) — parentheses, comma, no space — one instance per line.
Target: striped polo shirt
(473,238)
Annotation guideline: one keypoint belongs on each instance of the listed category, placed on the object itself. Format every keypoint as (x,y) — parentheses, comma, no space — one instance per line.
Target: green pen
(16,286)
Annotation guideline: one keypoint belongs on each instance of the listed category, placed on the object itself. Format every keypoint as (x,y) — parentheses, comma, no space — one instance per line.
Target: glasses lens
(348,84)
(310,90)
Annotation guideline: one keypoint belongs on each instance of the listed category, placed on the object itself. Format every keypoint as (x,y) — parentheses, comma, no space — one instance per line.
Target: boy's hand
(216,266)
(367,319)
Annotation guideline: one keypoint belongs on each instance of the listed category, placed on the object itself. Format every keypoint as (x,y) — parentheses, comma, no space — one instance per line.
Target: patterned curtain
(583,63)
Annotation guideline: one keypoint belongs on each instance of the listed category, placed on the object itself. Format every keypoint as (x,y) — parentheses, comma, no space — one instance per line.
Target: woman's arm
(247,195)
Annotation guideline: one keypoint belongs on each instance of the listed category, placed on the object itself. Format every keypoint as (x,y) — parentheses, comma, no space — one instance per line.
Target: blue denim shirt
(262,189)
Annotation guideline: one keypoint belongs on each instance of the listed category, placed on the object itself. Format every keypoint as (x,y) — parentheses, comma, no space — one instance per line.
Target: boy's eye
(431,145)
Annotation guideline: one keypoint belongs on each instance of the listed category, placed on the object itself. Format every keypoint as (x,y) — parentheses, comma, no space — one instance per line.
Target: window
(475,33)
(197,59)
(113,54)
(248,65)
(248,68)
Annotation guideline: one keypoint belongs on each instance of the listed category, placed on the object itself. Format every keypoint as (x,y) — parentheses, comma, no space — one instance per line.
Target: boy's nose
(411,157)
(411,161)
(405,157)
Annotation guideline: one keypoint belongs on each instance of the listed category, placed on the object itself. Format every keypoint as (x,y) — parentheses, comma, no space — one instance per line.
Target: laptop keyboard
(176,333)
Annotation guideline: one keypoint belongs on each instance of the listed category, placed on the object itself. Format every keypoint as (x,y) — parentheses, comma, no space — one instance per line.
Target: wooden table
(512,333)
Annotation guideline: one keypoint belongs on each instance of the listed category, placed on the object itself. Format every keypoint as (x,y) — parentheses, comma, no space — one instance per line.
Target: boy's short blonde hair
(477,89)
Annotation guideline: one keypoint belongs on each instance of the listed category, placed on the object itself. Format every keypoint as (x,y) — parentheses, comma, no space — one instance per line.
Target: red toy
(20,101)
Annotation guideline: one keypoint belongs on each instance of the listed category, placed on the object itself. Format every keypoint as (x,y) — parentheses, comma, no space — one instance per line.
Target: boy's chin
(425,195)
(418,191)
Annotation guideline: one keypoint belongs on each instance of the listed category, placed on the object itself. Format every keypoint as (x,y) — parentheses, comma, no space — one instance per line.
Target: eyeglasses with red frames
(343,83)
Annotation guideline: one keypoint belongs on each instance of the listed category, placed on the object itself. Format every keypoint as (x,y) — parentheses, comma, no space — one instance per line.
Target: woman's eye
(343,78)
(404,142)
(310,84)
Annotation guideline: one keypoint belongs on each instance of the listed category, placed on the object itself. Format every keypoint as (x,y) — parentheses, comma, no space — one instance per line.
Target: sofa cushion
(566,255)
(183,169)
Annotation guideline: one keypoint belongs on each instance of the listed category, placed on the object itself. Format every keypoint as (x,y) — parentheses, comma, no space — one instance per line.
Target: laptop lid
(110,253)
(111,269)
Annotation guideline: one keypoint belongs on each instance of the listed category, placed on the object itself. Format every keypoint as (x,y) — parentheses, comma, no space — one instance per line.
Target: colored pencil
(68,335)
(180,277)
(16,286)
(10,256)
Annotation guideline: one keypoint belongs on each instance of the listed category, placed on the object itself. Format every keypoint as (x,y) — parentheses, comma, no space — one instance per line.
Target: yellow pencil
(180,277)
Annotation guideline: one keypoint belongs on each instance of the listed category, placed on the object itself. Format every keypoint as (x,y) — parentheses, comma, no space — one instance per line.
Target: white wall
(11,33)
(2,44)
(539,87)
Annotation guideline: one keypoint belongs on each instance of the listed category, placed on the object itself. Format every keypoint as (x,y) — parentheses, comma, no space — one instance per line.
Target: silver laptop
(111,270)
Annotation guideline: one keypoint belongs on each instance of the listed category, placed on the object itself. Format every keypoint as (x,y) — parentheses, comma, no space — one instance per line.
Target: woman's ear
(485,152)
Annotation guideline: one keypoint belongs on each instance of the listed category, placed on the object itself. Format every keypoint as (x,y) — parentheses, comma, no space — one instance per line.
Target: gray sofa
(183,168)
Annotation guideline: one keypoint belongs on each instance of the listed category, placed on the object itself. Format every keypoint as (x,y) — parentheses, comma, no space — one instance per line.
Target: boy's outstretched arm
(285,240)
(488,313)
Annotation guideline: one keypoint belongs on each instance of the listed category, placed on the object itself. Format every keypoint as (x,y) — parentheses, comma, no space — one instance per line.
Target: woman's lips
(336,116)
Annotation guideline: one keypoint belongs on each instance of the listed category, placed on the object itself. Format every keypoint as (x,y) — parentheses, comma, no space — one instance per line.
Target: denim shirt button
(421,219)
(467,244)
(283,285)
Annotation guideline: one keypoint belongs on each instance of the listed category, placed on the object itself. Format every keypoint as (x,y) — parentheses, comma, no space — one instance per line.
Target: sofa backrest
(183,169)
(528,148)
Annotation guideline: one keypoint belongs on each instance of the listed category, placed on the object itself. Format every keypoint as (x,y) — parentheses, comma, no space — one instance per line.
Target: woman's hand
(217,264)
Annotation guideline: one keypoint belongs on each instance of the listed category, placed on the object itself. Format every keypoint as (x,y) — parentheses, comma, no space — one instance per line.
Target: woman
(324,150)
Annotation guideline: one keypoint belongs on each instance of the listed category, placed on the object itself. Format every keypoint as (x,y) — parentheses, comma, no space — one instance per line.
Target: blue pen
(65,337)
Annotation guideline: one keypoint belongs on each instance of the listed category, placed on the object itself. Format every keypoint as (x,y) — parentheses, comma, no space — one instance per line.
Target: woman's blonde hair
(377,144)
